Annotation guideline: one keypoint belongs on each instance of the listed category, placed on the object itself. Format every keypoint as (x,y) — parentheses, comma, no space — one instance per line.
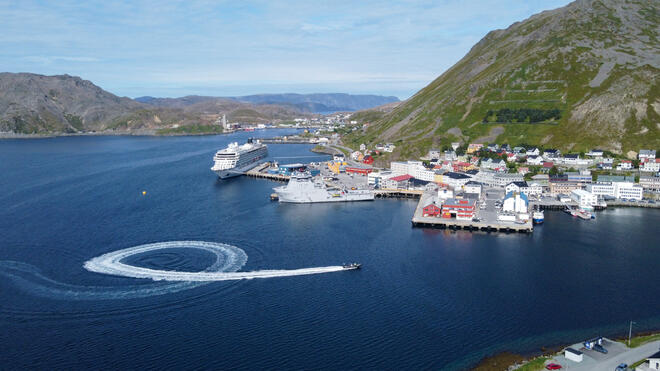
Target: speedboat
(351,266)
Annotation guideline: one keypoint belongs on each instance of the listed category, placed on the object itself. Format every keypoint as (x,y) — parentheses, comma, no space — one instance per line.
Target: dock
(397,193)
(419,220)
(258,172)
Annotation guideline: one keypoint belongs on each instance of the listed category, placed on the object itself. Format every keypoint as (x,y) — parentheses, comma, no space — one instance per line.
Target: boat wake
(229,259)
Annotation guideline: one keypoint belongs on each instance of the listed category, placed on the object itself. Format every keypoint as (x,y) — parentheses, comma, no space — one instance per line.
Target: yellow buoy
(144,193)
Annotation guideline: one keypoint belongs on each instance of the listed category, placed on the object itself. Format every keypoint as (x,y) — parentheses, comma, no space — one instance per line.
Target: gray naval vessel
(302,189)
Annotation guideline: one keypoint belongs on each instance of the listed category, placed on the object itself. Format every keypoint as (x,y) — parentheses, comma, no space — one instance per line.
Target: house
(511,157)
(431,210)
(651,166)
(462,166)
(450,155)
(547,165)
(434,153)
(533,152)
(646,155)
(368,160)
(654,361)
(355,155)
(534,160)
(461,209)
(493,147)
(518,150)
(552,154)
(474,147)
(605,166)
(571,159)
(584,199)
(515,203)
(523,170)
(624,165)
(595,153)
(363,147)
(339,157)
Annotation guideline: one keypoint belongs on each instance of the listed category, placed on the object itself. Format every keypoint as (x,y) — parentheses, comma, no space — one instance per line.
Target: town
(493,187)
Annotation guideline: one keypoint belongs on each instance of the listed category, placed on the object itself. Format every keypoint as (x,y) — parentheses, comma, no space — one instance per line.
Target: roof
(571,350)
(570,155)
(647,152)
(454,175)
(401,178)
(292,166)
(655,355)
(519,184)
(550,150)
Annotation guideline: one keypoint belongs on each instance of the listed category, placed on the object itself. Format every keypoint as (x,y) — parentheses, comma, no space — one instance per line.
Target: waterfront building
(563,187)
(502,179)
(650,182)
(375,179)
(602,189)
(431,210)
(584,199)
(615,178)
(533,189)
(397,182)
(358,170)
(515,202)
(461,209)
(628,191)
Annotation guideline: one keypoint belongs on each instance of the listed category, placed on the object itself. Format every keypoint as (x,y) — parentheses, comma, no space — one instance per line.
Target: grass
(535,364)
(191,129)
(638,363)
(640,340)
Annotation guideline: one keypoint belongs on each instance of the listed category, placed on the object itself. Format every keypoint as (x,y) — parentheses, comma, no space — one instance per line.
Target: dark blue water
(424,298)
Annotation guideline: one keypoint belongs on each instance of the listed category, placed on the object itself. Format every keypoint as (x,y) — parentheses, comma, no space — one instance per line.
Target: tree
(553,171)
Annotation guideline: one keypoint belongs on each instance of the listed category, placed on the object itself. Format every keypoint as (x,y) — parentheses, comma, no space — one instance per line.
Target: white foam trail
(234,259)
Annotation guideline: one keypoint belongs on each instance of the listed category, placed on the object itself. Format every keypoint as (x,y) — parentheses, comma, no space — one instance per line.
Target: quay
(490,225)
(397,193)
(287,141)
(258,172)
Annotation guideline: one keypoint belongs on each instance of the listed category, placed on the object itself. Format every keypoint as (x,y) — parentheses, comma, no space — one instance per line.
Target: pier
(258,172)
(419,220)
(397,193)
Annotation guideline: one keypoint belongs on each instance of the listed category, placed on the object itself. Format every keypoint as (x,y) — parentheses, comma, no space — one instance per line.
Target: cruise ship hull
(321,196)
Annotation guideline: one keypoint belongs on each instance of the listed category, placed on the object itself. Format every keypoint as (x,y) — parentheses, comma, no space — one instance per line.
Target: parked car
(553,366)
(622,367)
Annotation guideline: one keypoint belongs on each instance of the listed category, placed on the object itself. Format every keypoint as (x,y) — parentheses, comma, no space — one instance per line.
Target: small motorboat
(351,266)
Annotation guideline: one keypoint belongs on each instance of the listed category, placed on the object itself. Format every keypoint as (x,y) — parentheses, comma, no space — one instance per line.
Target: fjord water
(424,299)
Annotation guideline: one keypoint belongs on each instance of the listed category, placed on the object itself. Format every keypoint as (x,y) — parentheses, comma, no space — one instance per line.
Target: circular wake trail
(229,259)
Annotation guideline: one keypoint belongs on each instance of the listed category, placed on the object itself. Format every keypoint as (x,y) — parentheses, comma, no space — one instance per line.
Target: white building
(624,165)
(515,203)
(472,187)
(445,193)
(646,154)
(573,355)
(651,166)
(376,178)
(535,160)
(455,180)
(628,190)
(585,199)
(654,361)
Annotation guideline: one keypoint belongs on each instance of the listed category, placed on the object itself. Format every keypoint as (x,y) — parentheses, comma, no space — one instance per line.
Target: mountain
(581,76)
(309,103)
(38,104)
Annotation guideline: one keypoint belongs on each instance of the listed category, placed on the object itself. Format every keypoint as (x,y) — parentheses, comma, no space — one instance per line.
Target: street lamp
(630,331)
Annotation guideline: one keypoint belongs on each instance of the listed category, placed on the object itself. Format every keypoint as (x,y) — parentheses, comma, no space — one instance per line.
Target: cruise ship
(302,189)
(236,160)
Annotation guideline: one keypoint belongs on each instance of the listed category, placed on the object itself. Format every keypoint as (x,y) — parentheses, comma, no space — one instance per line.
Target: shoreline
(511,360)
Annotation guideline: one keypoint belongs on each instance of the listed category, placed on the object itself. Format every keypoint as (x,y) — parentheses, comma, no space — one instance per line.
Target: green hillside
(582,76)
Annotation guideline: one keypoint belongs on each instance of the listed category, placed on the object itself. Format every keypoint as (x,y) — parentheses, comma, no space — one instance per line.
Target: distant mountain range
(582,76)
(38,104)
(309,103)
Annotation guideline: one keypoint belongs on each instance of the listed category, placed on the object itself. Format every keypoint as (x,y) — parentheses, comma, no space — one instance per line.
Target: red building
(368,160)
(358,170)
(431,210)
(459,208)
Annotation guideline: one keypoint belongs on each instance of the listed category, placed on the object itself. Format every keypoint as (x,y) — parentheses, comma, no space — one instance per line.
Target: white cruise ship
(302,189)
(236,160)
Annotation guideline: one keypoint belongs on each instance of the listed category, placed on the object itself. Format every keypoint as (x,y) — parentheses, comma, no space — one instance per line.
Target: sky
(228,48)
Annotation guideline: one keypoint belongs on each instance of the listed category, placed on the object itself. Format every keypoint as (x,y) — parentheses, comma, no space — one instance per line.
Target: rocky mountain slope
(581,76)
(38,104)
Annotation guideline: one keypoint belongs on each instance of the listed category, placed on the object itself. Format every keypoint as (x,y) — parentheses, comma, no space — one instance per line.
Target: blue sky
(226,48)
